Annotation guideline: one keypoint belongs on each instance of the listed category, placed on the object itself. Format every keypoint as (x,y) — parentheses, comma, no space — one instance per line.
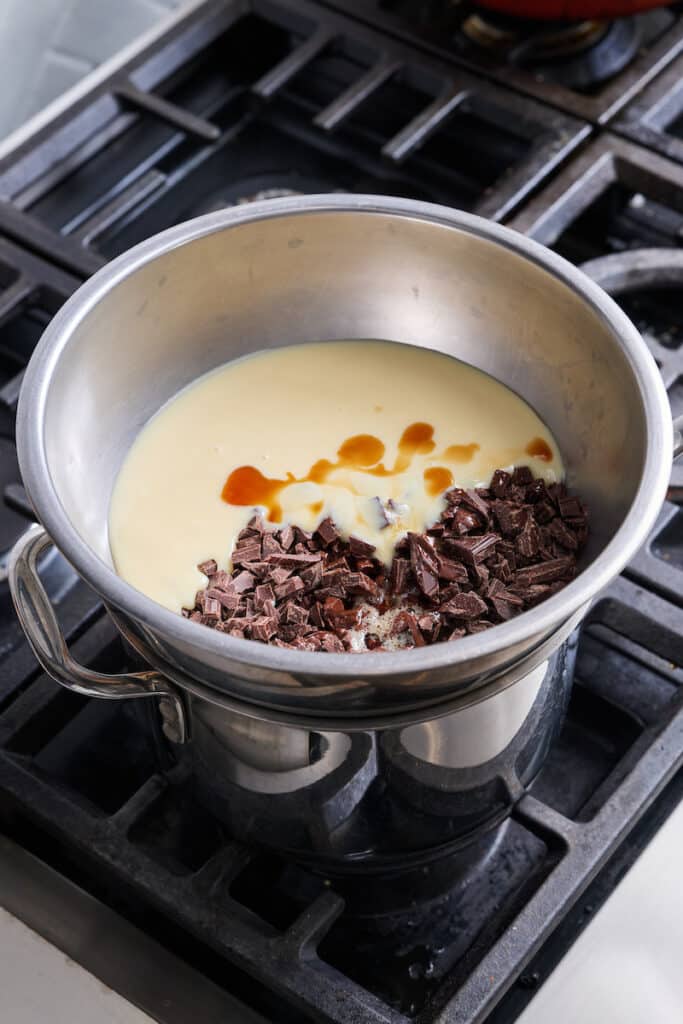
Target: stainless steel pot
(280,736)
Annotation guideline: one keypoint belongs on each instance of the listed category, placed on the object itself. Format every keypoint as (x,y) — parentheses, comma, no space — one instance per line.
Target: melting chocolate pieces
(495,552)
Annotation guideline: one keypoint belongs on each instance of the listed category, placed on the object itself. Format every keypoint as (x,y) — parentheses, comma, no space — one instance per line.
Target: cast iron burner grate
(81,786)
(588,68)
(241,98)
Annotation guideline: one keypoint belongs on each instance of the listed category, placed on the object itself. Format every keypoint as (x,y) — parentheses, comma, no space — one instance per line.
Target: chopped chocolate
(500,483)
(522,476)
(263,593)
(464,521)
(464,606)
(312,576)
(544,511)
(291,560)
(563,535)
(286,537)
(425,564)
(270,545)
(571,508)
(243,581)
(327,532)
(247,552)
(494,552)
(510,518)
(527,540)
(452,572)
(474,549)
(360,548)
(474,501)
(290,587)
(399,574)
(263,628)
(546,572)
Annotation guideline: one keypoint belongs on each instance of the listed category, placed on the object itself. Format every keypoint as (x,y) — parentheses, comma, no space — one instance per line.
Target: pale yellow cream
(282,411)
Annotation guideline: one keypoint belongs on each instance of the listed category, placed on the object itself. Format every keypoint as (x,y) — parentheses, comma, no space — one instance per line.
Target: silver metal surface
(306,268)
(40,624)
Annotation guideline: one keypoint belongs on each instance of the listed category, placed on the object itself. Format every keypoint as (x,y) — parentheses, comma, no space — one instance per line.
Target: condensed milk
(369,433)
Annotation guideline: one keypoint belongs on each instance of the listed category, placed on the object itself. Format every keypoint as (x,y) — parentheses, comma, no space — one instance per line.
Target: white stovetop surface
(626,967)
(39,984)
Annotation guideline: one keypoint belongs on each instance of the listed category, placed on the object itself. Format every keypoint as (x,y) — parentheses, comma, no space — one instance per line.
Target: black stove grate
(244,98)
(614,199)
(81,786)
(593,83)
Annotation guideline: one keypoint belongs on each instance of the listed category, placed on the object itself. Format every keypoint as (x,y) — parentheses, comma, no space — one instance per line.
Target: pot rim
(540,620)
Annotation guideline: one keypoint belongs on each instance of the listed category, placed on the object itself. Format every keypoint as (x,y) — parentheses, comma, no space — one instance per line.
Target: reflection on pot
(346,799)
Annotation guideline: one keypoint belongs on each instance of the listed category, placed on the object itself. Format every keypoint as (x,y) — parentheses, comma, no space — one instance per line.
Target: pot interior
(338,275)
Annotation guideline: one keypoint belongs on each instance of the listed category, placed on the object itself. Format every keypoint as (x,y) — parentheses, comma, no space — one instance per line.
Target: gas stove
(247,100)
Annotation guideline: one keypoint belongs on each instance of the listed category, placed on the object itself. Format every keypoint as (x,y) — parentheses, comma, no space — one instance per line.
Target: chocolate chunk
(263,593)
(479,574)
(209,567)
(295,615)
(290,587)
(557,492)
(327,532)
(270,545)
(536,491)
(263,628)
(454,496)
(279,574)
(456,633)
(564,536)
(286,537)
(478,626)
(464,521)
(546,572)
(464,606)
(254,526)
(290,560)
(425,564)
(522,476)
(406,622)
(544,512)
(312,576)
(360,548)
(527,541)
(221,580)
(329,642)
(474,549)
(473,500)
(571,508)
(228,599)
(451,571)
(243,581)
(372,641)
(500,483)
(398,575)
(249,552)
(511,519)
(211,608)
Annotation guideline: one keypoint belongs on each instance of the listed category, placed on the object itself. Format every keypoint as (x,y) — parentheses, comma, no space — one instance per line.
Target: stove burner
(577,54)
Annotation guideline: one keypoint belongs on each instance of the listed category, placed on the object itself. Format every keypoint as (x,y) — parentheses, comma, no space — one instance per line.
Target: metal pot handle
(40,625)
